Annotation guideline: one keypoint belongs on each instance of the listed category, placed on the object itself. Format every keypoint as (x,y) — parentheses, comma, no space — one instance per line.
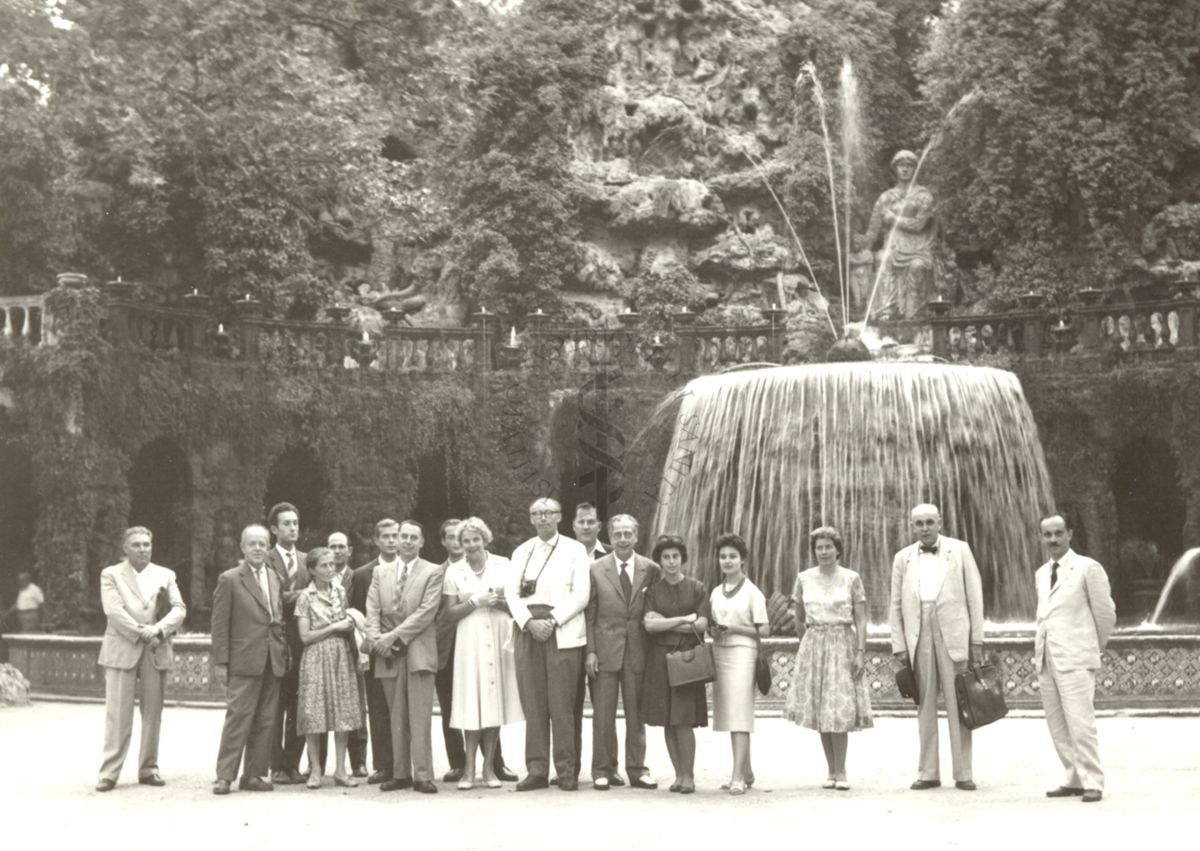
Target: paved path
(51,753)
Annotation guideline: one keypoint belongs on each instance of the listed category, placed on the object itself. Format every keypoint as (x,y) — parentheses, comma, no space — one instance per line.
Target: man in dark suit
(250,655)
(288,563)
(387,539)
(616,654)
(587,531)
(402,604)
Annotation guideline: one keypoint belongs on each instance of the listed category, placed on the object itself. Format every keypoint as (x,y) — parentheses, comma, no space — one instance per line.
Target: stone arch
(160,498)
(1150,517)
(18,520)
(298,476)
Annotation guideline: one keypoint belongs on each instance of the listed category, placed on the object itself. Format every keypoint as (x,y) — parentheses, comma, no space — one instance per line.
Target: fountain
(773,453)
(1178,571)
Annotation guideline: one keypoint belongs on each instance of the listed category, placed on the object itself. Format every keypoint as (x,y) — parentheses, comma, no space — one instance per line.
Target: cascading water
(773,453)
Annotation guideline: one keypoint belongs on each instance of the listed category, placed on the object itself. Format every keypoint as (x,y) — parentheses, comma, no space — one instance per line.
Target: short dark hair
(1065,515)
(411,522)
(729,539)
(277,509)
(585,506)
(669,542)
(446,524)
(825,533)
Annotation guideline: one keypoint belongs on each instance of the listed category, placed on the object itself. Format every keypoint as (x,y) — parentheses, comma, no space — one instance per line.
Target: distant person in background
(387,541)
(829,693)
(339,545)
(1075,617)
(329,685)
(676,619)
(288,562)
(28,606)
(144,609)
(586,526)
(739,619)
(250,656)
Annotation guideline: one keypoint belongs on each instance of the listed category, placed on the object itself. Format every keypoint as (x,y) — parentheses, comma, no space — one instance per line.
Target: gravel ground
(1153,766)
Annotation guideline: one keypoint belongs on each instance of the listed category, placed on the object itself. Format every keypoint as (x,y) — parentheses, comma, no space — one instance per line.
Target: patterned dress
(662,705)
(329,699)
(824,694)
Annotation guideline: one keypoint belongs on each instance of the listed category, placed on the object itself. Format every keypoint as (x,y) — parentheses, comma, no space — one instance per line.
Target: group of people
(306,646)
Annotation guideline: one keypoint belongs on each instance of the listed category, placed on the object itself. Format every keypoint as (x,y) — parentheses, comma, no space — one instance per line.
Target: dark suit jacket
(447,630)
(246,635)
(614,628)
(291,591)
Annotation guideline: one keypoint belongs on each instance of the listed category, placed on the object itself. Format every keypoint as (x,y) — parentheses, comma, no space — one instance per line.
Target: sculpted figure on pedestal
(902,231)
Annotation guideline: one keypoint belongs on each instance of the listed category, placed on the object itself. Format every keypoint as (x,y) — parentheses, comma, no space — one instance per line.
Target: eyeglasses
(543,513)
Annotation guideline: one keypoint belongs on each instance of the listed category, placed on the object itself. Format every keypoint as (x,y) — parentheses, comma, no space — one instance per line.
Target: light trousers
(145,683)
(410,707)
(1069,700)
(935,675)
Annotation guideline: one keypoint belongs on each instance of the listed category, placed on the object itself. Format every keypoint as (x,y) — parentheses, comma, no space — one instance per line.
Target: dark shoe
(396,785)
(568,784)
(452,776)
(379,777)
(152,780)
(600,784)
(425,787)
(221,787)
(533,782)
(616,779)
(644,782)
(284,778)
(505,774)
(106,785)
(687,789)
(1091,796)
(925,784)
(965,785)
(674,787)
(1065,792)
(255,784)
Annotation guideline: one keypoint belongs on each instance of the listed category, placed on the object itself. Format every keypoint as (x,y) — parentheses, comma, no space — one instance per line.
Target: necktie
(1053,574)
(264,585)
(291,564)
(931,548)
(400,585)
(626,582)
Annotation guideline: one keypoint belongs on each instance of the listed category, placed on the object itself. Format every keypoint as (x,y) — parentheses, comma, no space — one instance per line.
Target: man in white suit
(1075,616)
(547,590)
(937,624)
(144,609)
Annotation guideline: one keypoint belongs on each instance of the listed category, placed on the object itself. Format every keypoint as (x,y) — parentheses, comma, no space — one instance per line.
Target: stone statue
(905,268)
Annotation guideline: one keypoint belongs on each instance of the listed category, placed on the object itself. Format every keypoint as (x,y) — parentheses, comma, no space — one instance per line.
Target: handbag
(762,669)
(692,665)
(980,695)
(906,684)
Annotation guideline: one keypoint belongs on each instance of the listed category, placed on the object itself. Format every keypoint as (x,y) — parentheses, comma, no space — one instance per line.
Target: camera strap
(529,556)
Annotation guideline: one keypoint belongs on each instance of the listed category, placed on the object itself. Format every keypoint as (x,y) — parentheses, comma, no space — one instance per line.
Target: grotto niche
(160,498)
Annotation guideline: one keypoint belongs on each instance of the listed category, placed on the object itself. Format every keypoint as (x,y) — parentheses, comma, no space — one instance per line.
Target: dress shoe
(358,771)
(152,780)
(286,778)
(221,787)
(965,785)
(396,785)
(106,785)
(1065,792)
(674,787)
(600,784)
(379,777)
(925,784)
(616,779)
(568,784)
(533,782)
(1091,796)
(425,787)
(644,782)
(842,785)
(452,776)
(255,784)
(346,782)
(503,773)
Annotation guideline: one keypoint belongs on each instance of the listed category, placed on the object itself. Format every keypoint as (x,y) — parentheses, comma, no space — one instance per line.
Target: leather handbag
(980,693)
(691,665)
(906,684)
(762,670)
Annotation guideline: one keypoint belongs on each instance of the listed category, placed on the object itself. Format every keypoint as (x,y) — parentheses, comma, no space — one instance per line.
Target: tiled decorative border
(1138,669)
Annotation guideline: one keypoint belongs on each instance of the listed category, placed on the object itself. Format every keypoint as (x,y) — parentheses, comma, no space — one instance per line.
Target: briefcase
(691,665)
(980,693)
(162,604)
(906,684)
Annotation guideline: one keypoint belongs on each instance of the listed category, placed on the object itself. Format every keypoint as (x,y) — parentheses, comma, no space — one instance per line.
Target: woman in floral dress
(828,692)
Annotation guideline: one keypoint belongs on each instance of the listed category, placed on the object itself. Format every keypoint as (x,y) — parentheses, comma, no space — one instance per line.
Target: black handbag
(980,694)
(692,665)
(762,670)
(906,683)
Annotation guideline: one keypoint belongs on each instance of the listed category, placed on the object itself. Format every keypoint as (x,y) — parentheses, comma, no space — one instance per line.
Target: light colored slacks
(1068,698)
(604,723)
(144,682)
(409,698)
(935,675)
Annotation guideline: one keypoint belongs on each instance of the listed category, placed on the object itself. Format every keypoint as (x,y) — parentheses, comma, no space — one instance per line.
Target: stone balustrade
(25,319)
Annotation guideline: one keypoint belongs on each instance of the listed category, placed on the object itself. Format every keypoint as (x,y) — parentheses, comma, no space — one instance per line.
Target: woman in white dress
(739,619)
(485,674)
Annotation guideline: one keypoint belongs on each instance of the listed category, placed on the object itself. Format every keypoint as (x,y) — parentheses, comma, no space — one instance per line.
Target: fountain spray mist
(774,453)
(851,147)
(819,97)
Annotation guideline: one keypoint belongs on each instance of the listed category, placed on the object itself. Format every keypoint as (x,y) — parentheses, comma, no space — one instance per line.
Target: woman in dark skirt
(676,618)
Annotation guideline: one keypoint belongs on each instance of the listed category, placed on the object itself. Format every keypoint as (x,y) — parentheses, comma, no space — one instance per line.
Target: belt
(539,611)
(820,626)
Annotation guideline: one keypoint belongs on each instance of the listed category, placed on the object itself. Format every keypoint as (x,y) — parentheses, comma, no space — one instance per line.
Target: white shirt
(285,554)
(597,551)
(264,584)
(30,598)
(146,583)
(932,571)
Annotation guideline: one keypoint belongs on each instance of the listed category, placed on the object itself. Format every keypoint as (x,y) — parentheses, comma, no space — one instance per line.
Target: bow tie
(931,548)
